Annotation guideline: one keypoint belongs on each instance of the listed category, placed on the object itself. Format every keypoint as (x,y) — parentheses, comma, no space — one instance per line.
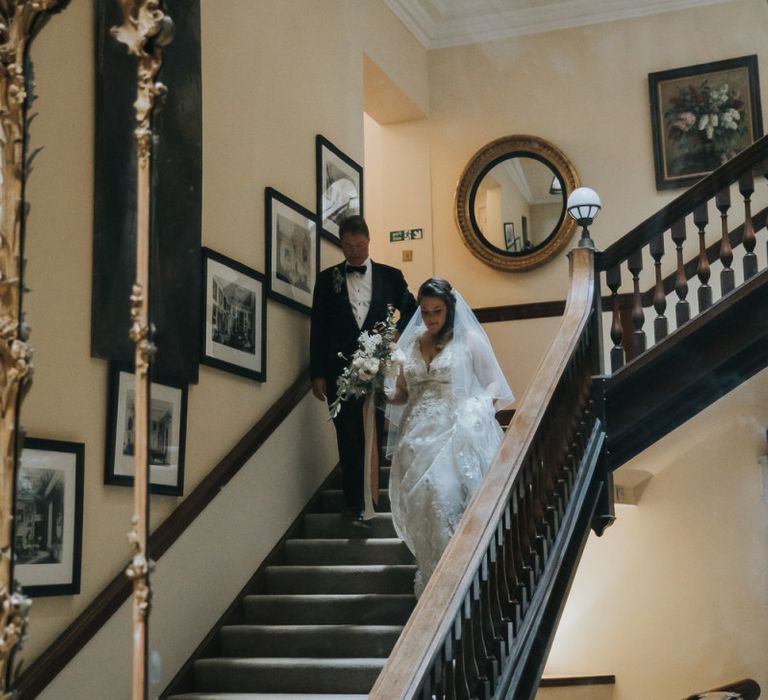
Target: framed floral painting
(701,117)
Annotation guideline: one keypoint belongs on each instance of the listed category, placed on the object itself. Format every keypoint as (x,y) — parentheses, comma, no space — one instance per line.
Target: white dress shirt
(360,289)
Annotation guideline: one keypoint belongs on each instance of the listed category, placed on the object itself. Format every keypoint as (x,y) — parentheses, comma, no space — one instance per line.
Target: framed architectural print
(293,250)
(167,434)
(234,317)
(702,116)
(49,517)
(339,188)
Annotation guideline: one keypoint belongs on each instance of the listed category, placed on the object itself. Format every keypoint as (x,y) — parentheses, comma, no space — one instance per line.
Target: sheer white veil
(475,371)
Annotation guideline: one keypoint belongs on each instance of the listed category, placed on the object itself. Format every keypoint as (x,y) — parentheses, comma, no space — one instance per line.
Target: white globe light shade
(584,204)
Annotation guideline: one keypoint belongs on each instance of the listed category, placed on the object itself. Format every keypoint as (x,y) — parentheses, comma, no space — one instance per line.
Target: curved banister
(703,190)
(445,597)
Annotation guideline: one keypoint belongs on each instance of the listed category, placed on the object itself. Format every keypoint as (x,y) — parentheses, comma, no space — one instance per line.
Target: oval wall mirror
(510,202)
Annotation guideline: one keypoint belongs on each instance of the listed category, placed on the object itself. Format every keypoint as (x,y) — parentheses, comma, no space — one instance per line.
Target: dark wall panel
(177,172)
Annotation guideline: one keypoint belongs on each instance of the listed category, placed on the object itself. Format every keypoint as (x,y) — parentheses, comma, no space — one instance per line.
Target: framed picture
(49,517)
(702,116)
(510,241)
(167,434)
(235,317)
(339,188)
(293,251)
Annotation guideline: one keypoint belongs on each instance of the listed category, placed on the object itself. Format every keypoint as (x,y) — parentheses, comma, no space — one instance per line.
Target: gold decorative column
(20,21)
(145,31)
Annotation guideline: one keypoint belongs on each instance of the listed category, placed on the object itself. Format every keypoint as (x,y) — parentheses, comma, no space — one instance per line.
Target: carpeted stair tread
(347,551)
(333,525)
(287,675)
(356,578)
(266,696)
(332,501)
(363,609)
(341,641)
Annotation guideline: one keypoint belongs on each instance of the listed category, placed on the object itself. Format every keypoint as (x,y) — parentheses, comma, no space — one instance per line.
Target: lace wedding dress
(444,447)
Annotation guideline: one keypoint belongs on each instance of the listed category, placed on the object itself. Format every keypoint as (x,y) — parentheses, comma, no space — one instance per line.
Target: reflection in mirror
(518,204)
(510,202)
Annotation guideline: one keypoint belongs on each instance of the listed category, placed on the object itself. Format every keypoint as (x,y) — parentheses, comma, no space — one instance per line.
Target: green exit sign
(411,234)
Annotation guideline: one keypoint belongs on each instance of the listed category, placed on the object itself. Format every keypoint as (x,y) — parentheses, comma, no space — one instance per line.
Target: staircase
(332,618)
(323,619)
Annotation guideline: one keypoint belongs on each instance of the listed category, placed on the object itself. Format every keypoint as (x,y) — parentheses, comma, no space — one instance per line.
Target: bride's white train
(445,434)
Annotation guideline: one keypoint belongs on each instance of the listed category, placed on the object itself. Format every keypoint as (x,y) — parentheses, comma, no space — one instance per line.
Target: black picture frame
(48,525)
(687,143)
(293,250)
(242,351)
(175,222)
(511,242)
(167,433)
(339,188)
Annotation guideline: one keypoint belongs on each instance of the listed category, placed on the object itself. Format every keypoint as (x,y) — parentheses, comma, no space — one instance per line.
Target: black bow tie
(356,268)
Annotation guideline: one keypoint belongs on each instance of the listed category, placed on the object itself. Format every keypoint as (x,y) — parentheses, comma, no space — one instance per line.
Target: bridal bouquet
(374,360)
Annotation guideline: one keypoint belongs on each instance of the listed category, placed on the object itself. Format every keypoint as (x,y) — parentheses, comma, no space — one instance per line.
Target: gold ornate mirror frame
(480,164)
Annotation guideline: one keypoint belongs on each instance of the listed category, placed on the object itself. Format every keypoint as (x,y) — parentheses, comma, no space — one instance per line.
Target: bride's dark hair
(436,287)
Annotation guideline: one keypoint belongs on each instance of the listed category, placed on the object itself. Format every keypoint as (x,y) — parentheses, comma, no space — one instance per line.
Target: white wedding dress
(444,446)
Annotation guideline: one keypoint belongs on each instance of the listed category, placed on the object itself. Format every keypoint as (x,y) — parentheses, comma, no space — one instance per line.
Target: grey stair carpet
(325,618)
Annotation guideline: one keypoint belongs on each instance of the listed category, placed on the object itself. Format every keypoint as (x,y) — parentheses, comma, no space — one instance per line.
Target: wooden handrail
(64,648)
(746,688)
(442,600)
(683,205)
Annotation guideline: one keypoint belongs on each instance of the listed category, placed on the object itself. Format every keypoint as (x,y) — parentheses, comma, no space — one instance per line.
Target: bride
(443,432)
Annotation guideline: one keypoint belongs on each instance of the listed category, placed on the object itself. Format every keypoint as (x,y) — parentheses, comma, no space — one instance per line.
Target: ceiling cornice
(482,21)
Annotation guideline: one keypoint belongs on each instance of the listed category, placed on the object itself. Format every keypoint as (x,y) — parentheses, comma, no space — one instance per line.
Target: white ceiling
(443,23)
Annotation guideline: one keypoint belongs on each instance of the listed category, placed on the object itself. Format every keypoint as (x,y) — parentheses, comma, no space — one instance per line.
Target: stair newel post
(635,265)
(700,220)
(613,281)
(727,277)
(145,31)
(660,327)
(749,240)
(682,307)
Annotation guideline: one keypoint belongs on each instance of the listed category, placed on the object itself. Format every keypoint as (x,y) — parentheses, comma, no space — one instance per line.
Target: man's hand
(318,388)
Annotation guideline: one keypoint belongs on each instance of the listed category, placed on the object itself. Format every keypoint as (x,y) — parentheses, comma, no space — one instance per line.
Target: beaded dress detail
(445,445)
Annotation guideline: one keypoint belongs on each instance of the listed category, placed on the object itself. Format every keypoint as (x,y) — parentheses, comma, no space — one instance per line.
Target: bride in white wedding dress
(443,432)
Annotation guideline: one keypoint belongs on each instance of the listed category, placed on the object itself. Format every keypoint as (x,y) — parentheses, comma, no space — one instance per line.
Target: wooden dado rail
(45,668)
(693,203)
(483,625)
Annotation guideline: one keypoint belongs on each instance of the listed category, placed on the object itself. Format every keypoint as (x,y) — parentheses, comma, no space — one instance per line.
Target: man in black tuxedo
(349,298)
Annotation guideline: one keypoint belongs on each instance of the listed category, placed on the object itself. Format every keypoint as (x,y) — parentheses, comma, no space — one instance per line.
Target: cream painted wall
(585,90)
(673,598)
(271,82)
(400,197)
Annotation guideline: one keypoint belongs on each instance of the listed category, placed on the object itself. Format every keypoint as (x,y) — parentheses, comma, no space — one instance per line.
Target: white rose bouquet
(374,360)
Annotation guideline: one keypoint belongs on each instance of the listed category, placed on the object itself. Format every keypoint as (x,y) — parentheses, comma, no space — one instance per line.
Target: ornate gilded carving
(20,21)
(145,31)
(478,165)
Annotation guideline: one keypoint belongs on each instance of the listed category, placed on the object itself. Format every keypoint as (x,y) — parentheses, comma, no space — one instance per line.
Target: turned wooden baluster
(613,280)
(635,265)
(748,239)
(682,307)
(727,276)
(700,220)
(660,327)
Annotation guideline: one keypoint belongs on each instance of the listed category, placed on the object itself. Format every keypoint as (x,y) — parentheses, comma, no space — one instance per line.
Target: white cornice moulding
(485,23)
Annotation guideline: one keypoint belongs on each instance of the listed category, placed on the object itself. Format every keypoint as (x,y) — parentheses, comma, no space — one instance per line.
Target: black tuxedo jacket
(334,328)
